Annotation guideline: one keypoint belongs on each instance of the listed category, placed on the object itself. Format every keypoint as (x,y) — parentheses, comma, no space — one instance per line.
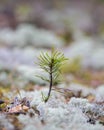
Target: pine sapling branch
(52,65)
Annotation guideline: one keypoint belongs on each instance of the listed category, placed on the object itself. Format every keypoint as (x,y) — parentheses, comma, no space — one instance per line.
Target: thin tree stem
(51,82)
(50,87)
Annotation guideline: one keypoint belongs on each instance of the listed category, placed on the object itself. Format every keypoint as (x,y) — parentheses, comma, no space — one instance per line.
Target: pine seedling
(51,64)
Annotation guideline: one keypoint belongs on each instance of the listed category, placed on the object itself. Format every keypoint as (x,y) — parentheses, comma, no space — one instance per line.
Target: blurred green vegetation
(73,66)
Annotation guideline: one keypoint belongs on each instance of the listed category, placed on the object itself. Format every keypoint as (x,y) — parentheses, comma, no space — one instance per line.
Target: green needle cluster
(51,64)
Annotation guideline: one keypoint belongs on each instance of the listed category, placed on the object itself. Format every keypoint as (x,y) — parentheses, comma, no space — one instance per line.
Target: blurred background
(75,27)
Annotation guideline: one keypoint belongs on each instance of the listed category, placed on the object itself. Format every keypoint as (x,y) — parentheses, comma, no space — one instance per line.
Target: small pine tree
(52,64)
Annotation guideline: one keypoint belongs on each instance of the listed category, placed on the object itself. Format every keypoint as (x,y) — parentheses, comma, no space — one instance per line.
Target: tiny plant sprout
(52,64)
